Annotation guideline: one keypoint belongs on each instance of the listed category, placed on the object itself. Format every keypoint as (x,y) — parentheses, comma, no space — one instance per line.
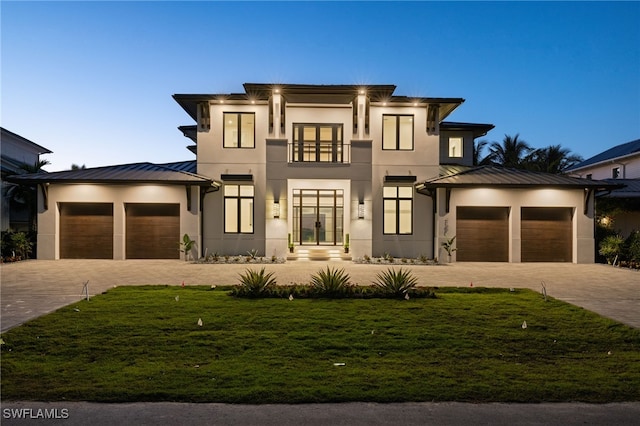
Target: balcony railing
(319,152)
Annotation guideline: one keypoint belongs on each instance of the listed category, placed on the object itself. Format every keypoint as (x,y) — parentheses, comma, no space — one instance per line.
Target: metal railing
(319,152)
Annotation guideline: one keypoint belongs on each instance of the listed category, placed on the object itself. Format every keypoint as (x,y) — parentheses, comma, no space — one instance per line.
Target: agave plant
(331,282)
(395,283)
(256,283)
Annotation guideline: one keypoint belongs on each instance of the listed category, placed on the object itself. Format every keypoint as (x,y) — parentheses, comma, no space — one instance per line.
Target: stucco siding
(515,199)
(119,196)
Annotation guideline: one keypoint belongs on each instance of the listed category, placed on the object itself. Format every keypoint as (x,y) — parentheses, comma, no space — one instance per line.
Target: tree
(510,153)
(478,147)
(74,166)
(552,159)
(26,194)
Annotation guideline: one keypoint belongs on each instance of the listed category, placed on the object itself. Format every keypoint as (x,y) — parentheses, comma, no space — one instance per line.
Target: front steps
(319,253)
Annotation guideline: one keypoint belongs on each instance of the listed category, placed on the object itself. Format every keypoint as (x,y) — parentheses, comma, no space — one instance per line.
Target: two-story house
(317,166)
(17,151)
(619,164)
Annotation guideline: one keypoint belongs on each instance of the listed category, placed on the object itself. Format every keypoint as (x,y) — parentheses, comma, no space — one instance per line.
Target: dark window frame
(239,115)
(397,135)
(397,200)
(238,199)
(299,143)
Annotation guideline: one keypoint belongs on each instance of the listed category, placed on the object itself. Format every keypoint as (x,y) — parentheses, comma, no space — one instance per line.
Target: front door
(317,215)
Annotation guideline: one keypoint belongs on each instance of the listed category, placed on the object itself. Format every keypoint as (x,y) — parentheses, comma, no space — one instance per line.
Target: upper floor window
(238,209)
(397,132)
(317,143)
(398,209)
(239,130)
(455,147)
(615,172)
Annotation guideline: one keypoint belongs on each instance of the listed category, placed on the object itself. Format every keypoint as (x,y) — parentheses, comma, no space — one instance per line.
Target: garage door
(546,234)
(482,234)
(86,231)
(153,231)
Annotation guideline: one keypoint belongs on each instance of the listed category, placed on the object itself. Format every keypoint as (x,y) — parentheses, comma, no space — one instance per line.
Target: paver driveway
(32,288)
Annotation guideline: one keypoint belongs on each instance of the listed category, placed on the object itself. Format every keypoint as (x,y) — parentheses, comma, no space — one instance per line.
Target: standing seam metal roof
(610,154)
(504,177)
(182,172)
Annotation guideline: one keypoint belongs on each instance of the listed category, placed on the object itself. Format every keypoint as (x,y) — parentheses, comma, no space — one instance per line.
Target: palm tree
(510,153)
(74,166)
(478,147)
(25,194)
(552,159)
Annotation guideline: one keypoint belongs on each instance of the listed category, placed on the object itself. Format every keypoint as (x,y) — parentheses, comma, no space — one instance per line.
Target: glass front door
(317,215)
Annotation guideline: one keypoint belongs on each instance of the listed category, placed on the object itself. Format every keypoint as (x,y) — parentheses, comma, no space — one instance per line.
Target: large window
(317,143)
(238,209)
(397,132)
(455,147)
(239,130)
(398,208)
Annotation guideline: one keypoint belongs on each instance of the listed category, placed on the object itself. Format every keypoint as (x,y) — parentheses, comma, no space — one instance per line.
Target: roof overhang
(478,129)
(256,93)
(502,178)
(127,174)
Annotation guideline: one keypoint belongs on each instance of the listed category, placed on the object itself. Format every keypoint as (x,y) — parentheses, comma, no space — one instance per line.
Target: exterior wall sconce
(360,210)
(276,210)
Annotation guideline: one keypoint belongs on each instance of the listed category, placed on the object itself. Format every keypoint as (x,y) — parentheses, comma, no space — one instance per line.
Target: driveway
(32,288)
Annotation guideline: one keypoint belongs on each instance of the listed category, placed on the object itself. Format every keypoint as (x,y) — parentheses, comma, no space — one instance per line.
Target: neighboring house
(620,164)
(309,165)
(15,152)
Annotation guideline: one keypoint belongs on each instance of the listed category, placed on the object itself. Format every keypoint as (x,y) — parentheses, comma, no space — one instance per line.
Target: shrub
(611,247)
(255,284)
(632,245)
(395,283)
(332,282)
(16,245)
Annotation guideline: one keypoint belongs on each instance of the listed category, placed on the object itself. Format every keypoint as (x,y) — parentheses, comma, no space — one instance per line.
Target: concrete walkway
(32,288)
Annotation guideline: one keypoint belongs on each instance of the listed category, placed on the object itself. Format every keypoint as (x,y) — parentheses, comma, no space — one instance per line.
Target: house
(317,167)
(16,151)
(620,164)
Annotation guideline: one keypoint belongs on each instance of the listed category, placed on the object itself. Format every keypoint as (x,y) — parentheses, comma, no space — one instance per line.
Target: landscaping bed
(198,344)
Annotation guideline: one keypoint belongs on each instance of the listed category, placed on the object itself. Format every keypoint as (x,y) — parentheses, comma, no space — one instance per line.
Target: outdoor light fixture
(360,210)
(276,210)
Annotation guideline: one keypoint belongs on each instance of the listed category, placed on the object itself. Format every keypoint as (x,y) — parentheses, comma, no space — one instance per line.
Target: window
(397,132)
(455,147)
(317,143)
(239,130)
(398,208)
(615,172)
(589,176)
(238,209)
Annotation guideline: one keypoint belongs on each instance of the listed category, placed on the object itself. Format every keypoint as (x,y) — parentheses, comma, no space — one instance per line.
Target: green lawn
(141,344)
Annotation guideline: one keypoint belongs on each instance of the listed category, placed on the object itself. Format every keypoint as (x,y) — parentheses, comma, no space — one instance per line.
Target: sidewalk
(349,414)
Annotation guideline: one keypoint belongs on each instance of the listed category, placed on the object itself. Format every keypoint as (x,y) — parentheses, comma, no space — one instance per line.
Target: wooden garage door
(86,231)
(153,231)
(546,234)
(482,234)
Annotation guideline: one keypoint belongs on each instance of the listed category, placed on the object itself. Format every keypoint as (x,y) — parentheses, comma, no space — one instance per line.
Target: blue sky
(92,81)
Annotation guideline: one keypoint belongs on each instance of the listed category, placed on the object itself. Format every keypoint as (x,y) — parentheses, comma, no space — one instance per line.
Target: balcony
(319,152)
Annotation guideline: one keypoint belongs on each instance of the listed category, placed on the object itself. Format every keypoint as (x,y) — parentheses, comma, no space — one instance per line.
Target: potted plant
(290,244)
(346,243)
(448,246)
